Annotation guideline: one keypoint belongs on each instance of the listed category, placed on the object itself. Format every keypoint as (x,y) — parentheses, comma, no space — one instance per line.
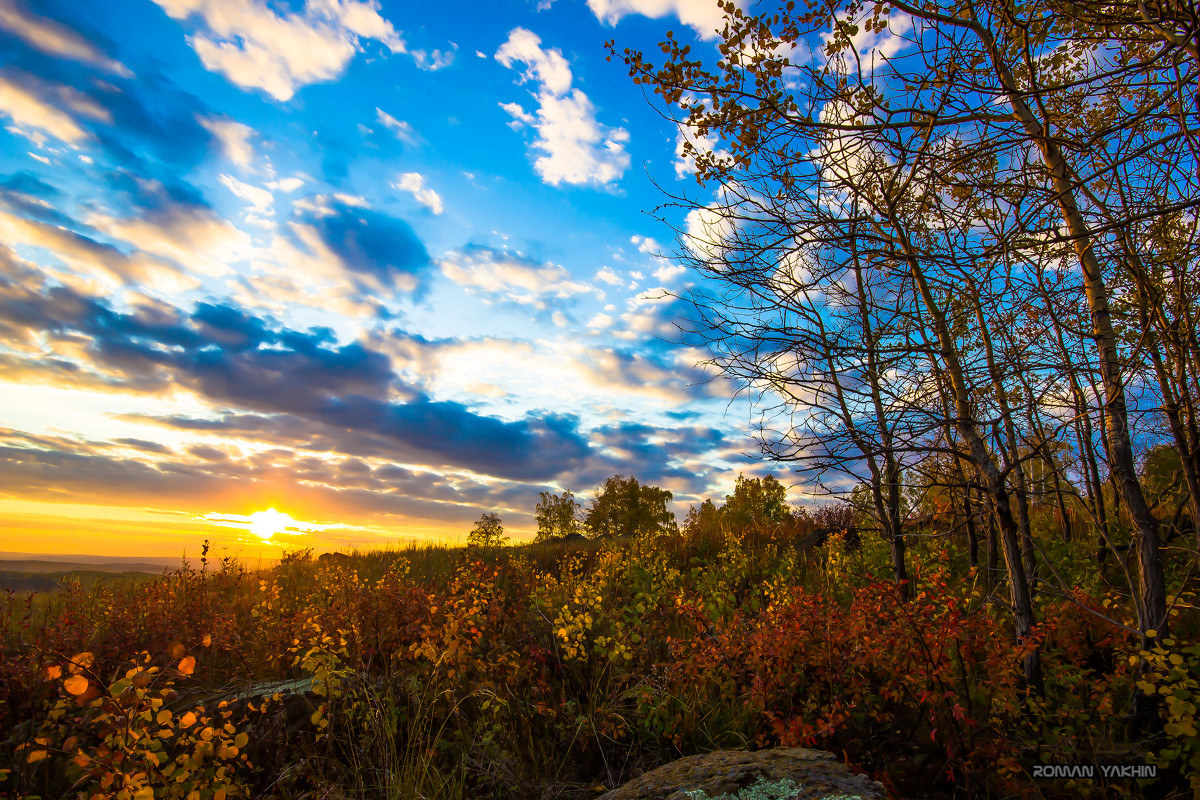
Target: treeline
(951,251)
(625,507)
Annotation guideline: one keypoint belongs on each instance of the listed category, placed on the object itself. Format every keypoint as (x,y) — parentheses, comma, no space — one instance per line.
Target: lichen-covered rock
(782,773)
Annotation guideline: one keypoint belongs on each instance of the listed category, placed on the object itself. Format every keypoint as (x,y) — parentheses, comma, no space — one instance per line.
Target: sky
(379,266)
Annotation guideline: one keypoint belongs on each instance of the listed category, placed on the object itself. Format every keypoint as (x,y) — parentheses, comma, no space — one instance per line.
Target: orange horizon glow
(39,527)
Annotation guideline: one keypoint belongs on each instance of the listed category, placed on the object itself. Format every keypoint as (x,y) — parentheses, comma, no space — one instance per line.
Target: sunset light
(265,524)
(268,524)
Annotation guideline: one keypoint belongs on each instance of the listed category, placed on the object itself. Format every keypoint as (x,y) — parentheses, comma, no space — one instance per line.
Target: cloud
(574,147)
(45,107)
(546,67)
(400,129)
(88,257)
(433,60)
(377,250)
(689,144)
(233,137)
(708,231)
(257,48)
(287,185)
(869,49)
(606,275)
(512,277)
(55,39)
(260,199)
(703,16)
(313,391)
(414,184)
(174,223)
(666,271)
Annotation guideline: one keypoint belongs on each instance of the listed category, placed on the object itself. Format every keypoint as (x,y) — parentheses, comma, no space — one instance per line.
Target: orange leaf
(187,665)
(175,649)
(53,673)
(76,684)
(80,662)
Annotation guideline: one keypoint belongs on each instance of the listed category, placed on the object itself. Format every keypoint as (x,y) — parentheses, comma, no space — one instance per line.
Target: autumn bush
(550,671)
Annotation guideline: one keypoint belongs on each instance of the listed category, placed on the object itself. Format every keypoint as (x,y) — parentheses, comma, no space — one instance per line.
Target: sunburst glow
(265,524)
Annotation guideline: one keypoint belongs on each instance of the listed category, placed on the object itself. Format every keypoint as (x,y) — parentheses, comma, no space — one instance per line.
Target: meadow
(559,670)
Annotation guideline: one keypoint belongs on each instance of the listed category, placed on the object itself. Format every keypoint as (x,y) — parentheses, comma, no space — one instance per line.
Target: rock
(782,773)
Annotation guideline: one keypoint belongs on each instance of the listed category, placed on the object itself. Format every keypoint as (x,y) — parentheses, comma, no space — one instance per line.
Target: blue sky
(382,266)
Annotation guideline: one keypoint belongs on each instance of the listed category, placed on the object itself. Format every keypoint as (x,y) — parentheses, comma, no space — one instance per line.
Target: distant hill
(50,581)
(37,572)
(41,565)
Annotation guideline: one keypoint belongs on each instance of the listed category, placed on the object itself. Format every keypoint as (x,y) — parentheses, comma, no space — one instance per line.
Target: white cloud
(234,138)
(546,67)
(513,277)
(872,48)
(260,199)
(414,184)
(559,319)
(600,321)
(287,185)
(685,161)
(434,60)
(574,147)
(255,47)
(54,39)
(519,114)
(399,128)
(608,276)
(707,231)
(668,272)
(703,16)
(47,108)
(646,245)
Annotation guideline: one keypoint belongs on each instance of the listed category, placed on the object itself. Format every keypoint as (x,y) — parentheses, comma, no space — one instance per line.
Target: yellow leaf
(145,793)
(164,717)
(187,666)
(80,662)
(36,756)
(76,684)
(187,720)
(207,640)
(241,739)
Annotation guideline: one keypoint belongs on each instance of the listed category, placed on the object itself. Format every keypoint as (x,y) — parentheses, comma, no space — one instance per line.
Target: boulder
(782,773)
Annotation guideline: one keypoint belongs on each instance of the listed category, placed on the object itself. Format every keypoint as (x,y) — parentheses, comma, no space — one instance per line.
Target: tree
(624,507)
(756,502)
(704,520)
(488,532)
(557,515)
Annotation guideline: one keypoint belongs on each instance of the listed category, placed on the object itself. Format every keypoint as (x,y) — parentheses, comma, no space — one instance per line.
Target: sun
(265,524)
